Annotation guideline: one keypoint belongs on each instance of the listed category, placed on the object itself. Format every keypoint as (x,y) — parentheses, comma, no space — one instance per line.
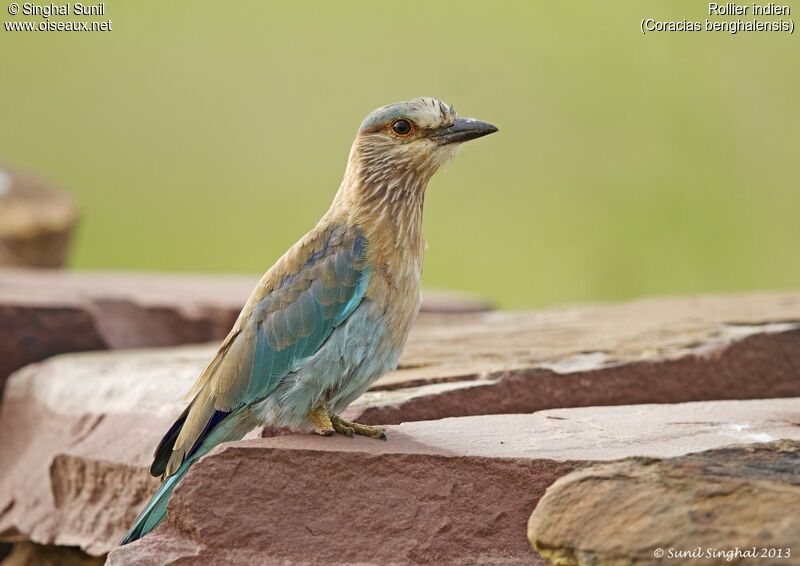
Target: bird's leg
(321,421)
(345,427)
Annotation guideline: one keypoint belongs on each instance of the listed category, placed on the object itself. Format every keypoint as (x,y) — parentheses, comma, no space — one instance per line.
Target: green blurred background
(208,136)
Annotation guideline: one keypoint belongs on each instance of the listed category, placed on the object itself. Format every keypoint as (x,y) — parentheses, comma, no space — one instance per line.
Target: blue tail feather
(155,511)
(221,428)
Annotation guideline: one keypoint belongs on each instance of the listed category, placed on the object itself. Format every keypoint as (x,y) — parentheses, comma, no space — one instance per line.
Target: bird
(333,313)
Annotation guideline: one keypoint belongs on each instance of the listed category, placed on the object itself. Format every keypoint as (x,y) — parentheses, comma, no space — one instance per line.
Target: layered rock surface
(47,313)
(43,313)
(453,491)
(77,431)
(29,554)
(647,351)
(730,505)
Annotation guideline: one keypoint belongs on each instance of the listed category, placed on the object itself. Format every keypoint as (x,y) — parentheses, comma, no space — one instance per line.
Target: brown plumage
(333,314)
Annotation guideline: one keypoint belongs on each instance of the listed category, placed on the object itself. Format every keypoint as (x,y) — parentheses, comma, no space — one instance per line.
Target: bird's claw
(340,427)
(350,429)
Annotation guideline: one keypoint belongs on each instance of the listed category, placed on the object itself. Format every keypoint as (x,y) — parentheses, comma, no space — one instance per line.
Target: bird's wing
(281,331)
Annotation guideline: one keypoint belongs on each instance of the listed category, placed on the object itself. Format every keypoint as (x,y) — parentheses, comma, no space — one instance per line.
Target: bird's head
(399,146)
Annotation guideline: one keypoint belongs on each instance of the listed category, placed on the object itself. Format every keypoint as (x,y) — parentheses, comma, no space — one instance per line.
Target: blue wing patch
(294,320)
(285,328)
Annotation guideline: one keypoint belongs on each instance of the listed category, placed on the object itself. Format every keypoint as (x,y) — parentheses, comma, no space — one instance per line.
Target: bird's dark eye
(401,127)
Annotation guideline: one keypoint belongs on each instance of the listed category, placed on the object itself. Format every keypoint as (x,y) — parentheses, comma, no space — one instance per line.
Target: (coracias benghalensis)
(333,314)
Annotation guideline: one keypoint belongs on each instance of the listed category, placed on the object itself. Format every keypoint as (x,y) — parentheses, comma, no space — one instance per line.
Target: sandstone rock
(648,351)
(89,407)
(90,489)
(43,313)
(730,505)
(589,337)
(29,554)
(455,491)
(77,431)
(46,313)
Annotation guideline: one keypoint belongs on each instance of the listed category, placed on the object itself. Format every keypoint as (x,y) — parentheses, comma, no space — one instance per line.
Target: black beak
(463,129)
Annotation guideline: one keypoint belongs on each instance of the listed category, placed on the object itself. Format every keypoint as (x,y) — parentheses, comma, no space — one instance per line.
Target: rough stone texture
(521,362)
(36,221)
(46,313)
(707,504)
(588,337)
(29,554)
(43,313)
(454,491)
(77,431)
(90,490)
(647,351)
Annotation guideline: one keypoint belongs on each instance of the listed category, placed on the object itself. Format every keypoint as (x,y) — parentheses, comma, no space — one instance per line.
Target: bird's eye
(401,127)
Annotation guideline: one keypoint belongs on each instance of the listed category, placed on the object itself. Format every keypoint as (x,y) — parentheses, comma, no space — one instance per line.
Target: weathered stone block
(454,491)
(77,431)
(734,505)
(43,313)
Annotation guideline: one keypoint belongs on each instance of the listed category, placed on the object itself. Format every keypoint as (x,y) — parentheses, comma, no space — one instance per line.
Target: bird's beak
(463,129)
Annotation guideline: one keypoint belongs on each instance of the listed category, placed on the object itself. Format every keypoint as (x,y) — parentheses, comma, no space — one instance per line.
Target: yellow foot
(347,428)
(321,421)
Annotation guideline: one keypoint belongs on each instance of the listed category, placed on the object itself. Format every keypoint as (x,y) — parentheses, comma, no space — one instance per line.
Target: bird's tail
(233,427)
(155,511)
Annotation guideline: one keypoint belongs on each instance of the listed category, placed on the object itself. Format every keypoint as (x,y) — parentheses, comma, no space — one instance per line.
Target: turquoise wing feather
(285,329)
(293,322)
(288,326)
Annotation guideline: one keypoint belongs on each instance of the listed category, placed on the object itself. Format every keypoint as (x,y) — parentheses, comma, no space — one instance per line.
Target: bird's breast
(394,290)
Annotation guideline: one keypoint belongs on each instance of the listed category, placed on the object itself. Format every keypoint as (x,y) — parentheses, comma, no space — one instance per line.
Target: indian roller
(333,314)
